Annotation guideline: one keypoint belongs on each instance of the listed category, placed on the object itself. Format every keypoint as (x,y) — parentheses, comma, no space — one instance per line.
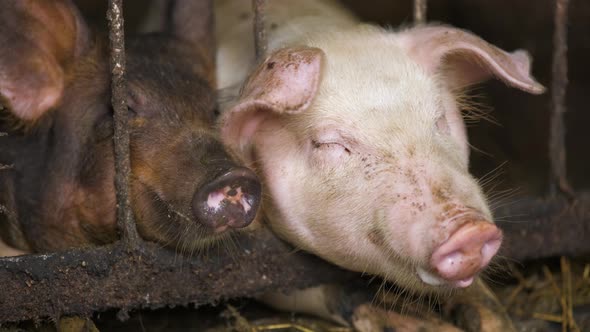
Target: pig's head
(364,152)
(186,188)
(186,191)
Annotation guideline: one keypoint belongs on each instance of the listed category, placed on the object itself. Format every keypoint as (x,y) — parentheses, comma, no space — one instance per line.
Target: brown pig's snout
(228,201)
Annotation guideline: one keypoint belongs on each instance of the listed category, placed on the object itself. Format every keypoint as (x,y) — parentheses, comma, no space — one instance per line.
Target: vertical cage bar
(557,148)
(260,42)
(121,135)
(420,11)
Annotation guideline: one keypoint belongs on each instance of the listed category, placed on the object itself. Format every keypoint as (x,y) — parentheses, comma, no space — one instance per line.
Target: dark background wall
(521,138)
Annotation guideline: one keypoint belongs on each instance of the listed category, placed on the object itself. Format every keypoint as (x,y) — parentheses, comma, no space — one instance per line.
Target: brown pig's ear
(39,39)
(286,82)
(466,59)
(192,20)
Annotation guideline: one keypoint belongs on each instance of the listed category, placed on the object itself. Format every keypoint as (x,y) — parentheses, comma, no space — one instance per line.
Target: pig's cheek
(283,167)
(95,207)
(408,217)
(409,232)
(456,125)
(291,221)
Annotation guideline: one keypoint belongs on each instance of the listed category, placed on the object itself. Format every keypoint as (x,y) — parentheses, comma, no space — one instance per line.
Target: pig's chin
(159,221)
(419,280)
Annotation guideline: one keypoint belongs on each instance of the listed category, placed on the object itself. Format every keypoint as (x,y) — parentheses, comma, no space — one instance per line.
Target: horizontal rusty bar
(89,280)
(546,227)
(84,281)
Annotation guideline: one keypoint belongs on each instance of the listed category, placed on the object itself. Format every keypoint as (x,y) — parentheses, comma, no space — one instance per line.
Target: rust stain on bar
(557,148)
(83,281)
(420,11)
(260,42)
(121,136)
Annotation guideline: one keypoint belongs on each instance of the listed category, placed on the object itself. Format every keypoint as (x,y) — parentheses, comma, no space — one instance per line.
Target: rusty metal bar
(260,41)
(537,228)
(557,147)
(420,11)
(3,209)
(80,282)
(121,136)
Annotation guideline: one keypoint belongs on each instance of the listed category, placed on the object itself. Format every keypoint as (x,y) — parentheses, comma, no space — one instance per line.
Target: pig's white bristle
(502,198)
(491,176)
(489,183)
(498,266)
(473,108)
(189,246)
(193,240)
(412,299)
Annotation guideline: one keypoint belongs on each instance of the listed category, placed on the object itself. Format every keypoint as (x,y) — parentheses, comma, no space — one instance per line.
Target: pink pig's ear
(466,59)
(39,39)
(286,82)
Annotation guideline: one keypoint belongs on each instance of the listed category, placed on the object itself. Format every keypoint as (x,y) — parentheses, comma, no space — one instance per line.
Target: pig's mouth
(161,221)
(459,259)
(432,279)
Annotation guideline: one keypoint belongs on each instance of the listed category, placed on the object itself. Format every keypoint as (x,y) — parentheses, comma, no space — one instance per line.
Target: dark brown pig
(186,192)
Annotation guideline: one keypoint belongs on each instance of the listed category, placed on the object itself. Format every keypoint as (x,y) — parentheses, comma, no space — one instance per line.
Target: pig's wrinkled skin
(358,136)
(186,191)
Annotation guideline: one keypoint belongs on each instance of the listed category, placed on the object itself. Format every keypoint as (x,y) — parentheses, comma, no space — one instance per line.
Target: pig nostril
(451,261)
(488,250)
(229,201)
(215,198)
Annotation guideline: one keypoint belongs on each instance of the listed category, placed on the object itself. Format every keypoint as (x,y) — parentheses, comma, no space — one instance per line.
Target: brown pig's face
(186,189)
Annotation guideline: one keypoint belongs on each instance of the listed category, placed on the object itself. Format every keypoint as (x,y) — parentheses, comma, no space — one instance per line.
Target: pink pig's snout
(465,253)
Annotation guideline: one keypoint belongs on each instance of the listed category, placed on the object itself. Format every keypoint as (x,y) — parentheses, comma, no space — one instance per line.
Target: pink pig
(359,138)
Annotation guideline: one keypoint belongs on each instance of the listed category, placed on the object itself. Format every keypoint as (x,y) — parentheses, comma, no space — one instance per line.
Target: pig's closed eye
(331,150)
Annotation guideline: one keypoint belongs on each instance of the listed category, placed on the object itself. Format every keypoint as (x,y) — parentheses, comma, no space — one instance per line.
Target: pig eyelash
(320,145)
